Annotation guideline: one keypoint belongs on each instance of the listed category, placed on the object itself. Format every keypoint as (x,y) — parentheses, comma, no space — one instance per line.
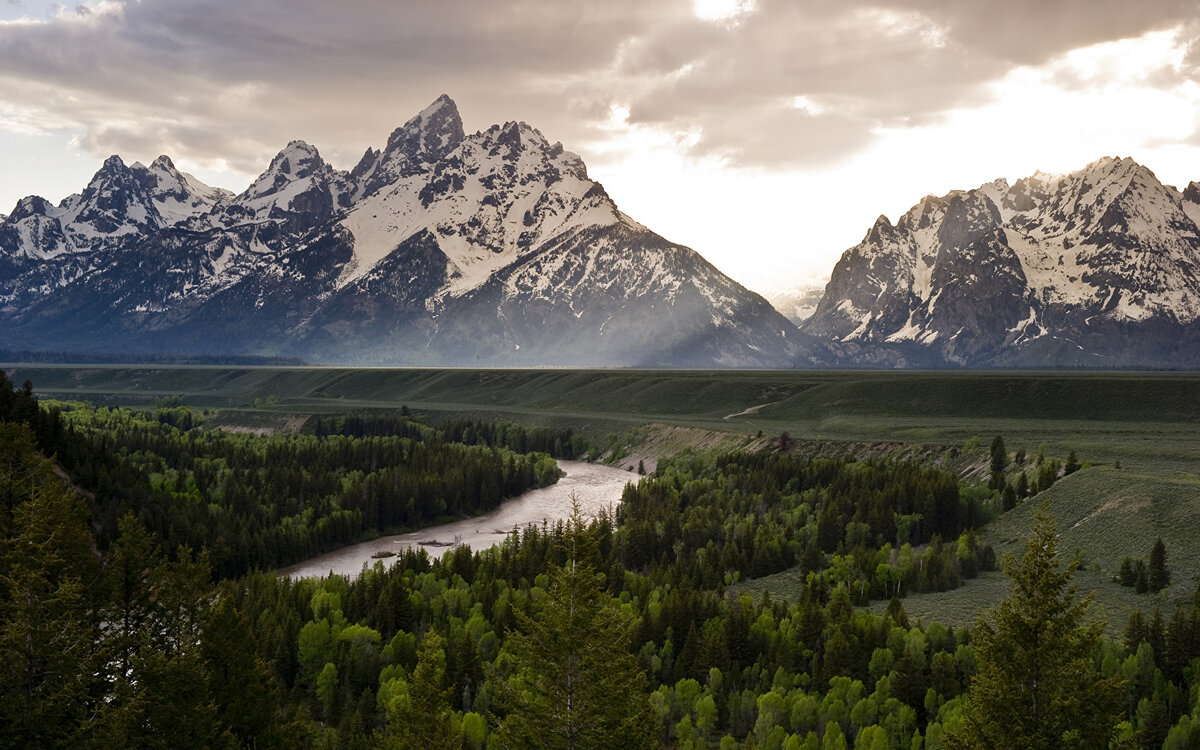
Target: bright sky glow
(721,10)
(794,226)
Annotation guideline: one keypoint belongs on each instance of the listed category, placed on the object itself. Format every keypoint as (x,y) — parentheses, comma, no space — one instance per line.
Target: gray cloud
(217,79)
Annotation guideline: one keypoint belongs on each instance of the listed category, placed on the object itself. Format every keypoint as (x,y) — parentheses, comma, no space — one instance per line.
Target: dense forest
(119,630)
(267,501)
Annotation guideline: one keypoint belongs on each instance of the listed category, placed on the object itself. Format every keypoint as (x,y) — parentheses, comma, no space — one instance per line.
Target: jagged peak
(411,148)
(297,149)
(443,106)
(295,161)
(30,205)
(163,162)
(416,137)
(364,165)
(881,231)
(112,167)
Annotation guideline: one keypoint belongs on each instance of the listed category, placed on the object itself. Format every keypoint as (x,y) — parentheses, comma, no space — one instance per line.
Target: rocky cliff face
(442,248)
(1099,267)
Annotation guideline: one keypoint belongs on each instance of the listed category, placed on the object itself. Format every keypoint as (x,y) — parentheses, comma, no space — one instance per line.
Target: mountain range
(497,249)
(1096,268)
(441,248)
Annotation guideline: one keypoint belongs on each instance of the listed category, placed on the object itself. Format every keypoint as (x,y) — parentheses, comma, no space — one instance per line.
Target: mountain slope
(442,248)
(1100,267)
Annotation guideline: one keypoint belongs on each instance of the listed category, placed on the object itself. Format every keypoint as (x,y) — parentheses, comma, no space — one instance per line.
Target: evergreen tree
(1022,485)
(238,679)
(1037,687)
(999,462)
(422,718)
(576,685)
(1009,497)
(1152,722)
(1158,577)
(49,656)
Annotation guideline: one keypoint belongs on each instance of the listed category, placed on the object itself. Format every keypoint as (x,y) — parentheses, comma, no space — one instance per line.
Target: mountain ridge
(1104,260)
(441,248)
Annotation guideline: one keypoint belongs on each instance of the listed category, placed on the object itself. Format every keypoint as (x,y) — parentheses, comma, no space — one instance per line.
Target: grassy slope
(1148,422)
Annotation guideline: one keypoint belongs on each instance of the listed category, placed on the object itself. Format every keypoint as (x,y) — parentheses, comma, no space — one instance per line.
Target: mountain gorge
(442,248)
(1096,268)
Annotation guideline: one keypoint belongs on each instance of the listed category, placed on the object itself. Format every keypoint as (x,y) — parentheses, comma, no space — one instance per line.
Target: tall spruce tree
(576,685)
(1158,576)
(422,719)
(999,462)
(1037,686)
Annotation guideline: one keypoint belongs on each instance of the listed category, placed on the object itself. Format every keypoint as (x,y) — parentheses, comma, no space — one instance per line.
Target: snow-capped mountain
(1099,267)
(798,303)
(441,248)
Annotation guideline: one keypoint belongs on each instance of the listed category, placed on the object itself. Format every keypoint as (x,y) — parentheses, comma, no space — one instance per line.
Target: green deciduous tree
(1037,687)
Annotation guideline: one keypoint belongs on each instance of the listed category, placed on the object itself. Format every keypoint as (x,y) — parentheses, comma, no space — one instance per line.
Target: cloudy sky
(766,134)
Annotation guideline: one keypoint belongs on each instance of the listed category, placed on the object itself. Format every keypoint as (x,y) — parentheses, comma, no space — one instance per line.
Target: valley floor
(1137,434)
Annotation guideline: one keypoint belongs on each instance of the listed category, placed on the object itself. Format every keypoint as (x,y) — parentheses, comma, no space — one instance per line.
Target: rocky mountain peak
(298,188)
(115,200)
(967,216)
(296,161)
(1043,265)
(431,134)
(30,205)
(413,148)
(881,231)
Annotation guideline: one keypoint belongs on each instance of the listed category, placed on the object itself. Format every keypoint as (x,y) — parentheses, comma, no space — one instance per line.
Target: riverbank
(594,486)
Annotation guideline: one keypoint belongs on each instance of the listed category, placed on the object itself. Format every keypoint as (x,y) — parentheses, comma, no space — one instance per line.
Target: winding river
(595,487)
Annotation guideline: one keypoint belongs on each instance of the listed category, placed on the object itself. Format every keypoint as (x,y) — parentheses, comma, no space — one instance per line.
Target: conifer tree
(999,462)
(1037,687)
(576,685)
(1157,575)
(422,718)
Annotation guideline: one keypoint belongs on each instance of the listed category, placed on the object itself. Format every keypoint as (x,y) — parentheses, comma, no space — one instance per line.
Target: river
(595,487)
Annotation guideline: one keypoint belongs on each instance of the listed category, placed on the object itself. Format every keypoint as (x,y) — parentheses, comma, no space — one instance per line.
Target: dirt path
(750,411)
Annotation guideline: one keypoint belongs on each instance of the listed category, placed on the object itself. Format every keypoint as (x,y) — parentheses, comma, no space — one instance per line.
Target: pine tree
(999,462)
(1022,485)
(576,684)
(238,679)
(1158,577)
(422,718)
(49,659)
(1037,687)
